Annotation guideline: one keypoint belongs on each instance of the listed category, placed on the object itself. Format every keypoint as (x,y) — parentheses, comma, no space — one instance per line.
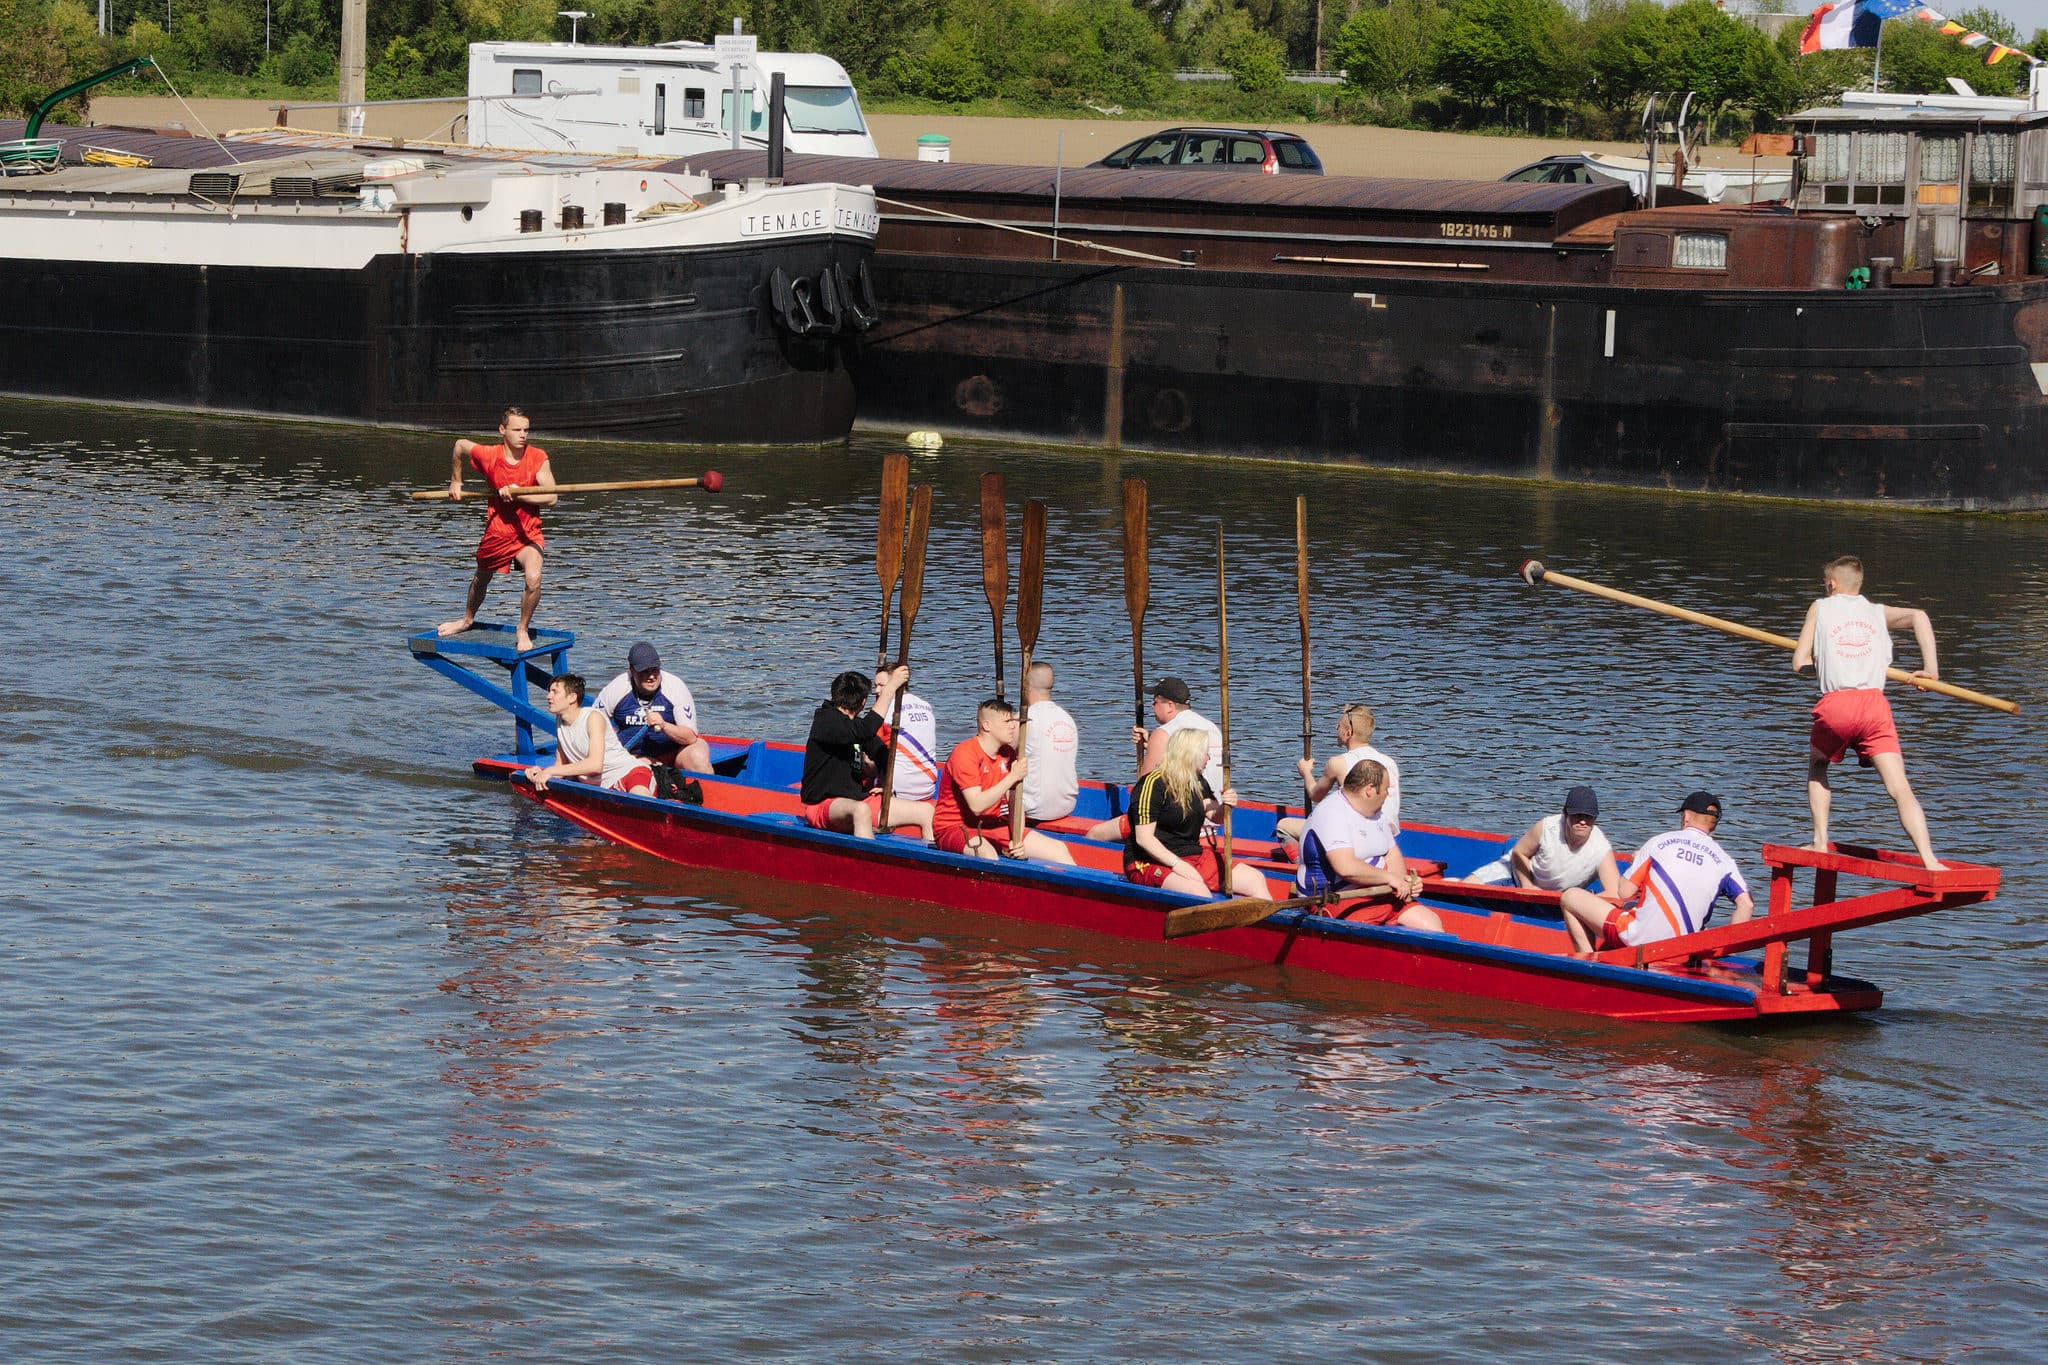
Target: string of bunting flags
(1858,23)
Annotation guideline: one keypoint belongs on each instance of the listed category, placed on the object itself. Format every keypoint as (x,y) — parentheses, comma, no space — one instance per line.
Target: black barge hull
(1917,396)
(673,345)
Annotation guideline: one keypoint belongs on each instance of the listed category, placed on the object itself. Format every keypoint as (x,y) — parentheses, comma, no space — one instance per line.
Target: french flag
(1854,23)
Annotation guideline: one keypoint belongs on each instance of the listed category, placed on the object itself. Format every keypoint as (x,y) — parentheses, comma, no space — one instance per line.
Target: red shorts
(497,553)
(1622,917)
(1855,715)
(820,815)
(953,839)
(640,776)
(1207,862)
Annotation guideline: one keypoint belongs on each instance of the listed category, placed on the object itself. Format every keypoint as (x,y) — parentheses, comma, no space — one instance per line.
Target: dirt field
(1003,141)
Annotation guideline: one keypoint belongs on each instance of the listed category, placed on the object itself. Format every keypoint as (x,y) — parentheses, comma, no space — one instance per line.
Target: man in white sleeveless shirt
(1355,724)
(1559,851)
(1172,708)
(1051,785)
(1847,642)
(587,746)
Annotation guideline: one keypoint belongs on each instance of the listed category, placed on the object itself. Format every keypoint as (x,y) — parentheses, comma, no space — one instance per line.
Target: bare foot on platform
(447,628)
(525,640)
(1934,864)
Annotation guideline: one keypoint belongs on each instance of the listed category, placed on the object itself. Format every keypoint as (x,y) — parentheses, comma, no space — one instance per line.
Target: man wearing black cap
(1171,707)
(1558,851)
(1671,888)
(654,713)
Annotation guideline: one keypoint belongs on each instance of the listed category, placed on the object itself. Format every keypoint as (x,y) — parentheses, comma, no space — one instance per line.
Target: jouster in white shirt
(1852,645)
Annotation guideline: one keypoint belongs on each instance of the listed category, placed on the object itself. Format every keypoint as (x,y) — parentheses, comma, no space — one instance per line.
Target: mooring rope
(1008,227)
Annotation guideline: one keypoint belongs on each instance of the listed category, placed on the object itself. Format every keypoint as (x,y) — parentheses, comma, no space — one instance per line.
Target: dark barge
(308,278)
(1545,331)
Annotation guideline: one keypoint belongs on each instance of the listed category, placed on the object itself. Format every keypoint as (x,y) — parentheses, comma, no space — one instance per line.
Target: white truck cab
(672,100)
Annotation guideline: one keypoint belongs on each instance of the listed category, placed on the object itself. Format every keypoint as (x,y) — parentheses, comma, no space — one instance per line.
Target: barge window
(526,82)
(693,104)
(660,109)
(1991,158)
(1941,160)
(1701,251)
(1881,159)
(822,109)
(1829,159)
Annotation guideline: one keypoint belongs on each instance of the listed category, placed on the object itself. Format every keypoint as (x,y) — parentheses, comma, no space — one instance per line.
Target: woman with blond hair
(1169,806)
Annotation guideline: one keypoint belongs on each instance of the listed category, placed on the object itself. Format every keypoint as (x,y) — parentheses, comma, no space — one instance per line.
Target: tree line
(1532,65)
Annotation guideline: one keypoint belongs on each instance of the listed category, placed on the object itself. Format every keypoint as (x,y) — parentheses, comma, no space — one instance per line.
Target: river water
(317,1047)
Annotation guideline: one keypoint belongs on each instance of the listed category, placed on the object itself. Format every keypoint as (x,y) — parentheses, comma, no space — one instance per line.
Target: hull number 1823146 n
(1487,230)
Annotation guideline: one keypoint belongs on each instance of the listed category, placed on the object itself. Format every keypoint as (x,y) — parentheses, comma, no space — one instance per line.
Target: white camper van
(673,100)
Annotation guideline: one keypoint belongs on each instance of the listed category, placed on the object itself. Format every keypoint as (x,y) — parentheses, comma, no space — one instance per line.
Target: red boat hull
(1492,955)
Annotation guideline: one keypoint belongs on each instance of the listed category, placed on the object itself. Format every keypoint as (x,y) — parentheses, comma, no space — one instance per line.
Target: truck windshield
(822,109)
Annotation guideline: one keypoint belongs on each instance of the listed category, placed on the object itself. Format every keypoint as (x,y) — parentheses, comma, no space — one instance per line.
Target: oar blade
(1211,916)
(1031,575)
(995,546)
(1137,568)
(913,562)
(889,534)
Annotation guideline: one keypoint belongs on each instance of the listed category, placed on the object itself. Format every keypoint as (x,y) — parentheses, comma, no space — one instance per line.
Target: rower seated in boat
(1169,808)
(1558,851)
(1672,886)
(975,787)
(655,713)
(1173,708)
(1347,844)
(587,746)
(1355,724)
(846,741)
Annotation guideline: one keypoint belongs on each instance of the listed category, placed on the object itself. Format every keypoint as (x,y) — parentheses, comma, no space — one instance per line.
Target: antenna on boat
(574,16)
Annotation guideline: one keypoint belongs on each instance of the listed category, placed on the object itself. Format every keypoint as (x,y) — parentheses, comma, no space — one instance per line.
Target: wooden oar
(1533,572)
(995,562)
(1223,714)
(1308,738)
(1207,918)
(1030,596)
(1137,587)
(710,481)
(889,541)
(913,593)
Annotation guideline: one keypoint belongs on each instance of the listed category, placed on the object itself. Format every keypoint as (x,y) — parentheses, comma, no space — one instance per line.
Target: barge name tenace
(789,222)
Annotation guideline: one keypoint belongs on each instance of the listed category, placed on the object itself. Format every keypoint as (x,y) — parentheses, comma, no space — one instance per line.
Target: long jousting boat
(1500,943)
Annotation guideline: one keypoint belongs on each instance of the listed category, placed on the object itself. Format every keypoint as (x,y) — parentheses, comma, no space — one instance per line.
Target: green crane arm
(35,120)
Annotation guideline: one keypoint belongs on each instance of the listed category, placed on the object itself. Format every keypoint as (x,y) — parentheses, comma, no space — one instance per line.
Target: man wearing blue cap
(654,713)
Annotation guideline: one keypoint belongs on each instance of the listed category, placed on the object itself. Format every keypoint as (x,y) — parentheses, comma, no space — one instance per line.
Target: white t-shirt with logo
(1852,645)
(1050,744)
(1335,824)
(917,761)
(1685,871)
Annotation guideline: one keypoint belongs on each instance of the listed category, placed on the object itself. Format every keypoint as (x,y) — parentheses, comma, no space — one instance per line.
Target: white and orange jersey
(917,761)
(1681,875)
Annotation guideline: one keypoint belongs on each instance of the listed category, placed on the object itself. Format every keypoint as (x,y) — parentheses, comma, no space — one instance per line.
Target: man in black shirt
(847,742)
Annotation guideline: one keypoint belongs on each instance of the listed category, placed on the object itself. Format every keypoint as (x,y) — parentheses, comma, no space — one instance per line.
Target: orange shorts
(1364,912)
(497,552)
(1207,862)
(820,815)
(1855,715)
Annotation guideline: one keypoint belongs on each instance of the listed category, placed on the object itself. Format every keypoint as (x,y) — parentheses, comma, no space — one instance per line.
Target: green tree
(1628,51)
(33,59)
(1499,54)
(1387,50)
(1257,62)
(1725,60)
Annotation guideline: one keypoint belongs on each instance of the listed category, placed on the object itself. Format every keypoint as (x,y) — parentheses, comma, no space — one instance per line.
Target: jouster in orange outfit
(512,535)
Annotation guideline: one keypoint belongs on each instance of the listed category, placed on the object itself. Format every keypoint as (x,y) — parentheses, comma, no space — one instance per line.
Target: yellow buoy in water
(924,440)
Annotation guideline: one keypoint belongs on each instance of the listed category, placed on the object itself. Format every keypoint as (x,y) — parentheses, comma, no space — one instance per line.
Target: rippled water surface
(316,1047)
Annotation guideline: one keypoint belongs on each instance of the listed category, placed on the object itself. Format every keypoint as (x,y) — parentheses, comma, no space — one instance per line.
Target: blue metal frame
(549,655)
